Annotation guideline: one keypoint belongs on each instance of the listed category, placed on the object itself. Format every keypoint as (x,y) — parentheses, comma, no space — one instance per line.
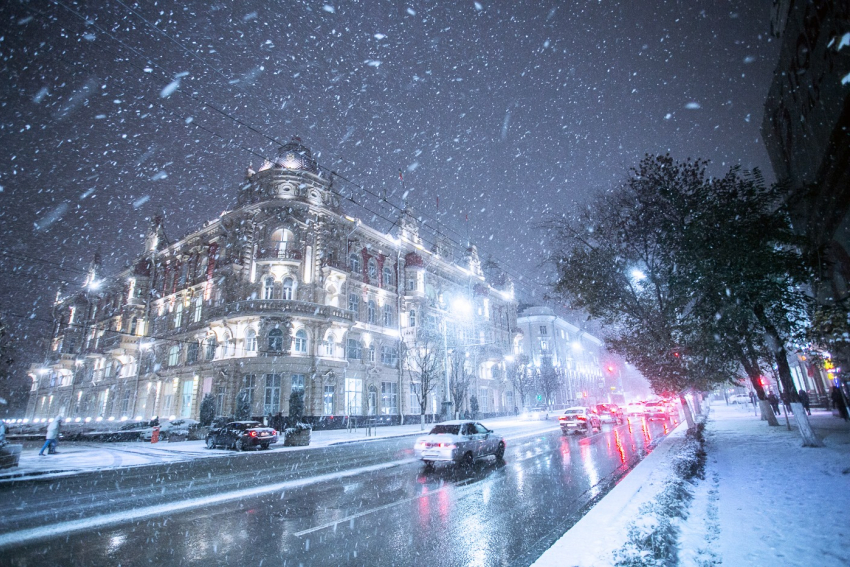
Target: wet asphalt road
(359,504)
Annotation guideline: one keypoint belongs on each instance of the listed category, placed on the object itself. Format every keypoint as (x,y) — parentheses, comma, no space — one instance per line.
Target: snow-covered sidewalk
(75,457)
(762,499)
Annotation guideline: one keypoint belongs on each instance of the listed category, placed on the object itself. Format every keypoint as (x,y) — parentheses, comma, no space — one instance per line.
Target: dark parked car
(240,435)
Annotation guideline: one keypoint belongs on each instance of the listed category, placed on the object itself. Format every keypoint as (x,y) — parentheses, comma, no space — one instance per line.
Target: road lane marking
(43,532)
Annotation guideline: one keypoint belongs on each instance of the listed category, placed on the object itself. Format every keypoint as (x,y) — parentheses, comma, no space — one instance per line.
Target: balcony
(112,341)
(287,254)
(282,306)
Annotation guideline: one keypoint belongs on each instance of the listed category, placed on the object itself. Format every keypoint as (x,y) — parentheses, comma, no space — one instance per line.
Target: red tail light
(274,431)
(581,418)
(252,433)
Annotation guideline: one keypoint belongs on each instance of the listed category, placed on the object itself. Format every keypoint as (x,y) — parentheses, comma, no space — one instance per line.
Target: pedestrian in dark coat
(804,399)
(838,402)
(753,398)
(786,401)
(774,402)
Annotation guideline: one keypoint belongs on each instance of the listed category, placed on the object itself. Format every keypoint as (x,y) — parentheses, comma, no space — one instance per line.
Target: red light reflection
(620,448)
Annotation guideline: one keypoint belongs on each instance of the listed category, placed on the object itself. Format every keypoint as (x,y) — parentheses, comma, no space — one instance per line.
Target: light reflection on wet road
(495,513)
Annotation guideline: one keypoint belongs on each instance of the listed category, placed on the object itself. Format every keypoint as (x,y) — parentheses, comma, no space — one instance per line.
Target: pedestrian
(52,437)
(774,402)
(838,402)
(753,398)
(804,399)
(786,401)
(516,411)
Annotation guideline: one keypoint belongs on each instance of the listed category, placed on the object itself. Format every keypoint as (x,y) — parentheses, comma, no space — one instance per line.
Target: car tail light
(274,431)
(581,418)
(252,433)
(562,418)
(448,445)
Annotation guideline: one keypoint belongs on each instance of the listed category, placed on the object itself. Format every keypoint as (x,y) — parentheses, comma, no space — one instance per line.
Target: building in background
(285,293)
(806,129)
(560,354)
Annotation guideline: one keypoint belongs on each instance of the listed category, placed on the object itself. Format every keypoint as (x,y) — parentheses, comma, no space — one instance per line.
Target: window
(220,392)
(354,263)
(372,407)
(289,288)
(192,352)
(412,282)
(199,306)
(372,313)
(373,271)
(544,345)
(388,276)
(186,407)
(484,400)
(229,345)
(173,355)
(297,383)
(328,401)
(249,384)
(268,288)
(389,398)
(276,340)
(251,341)
(414,398)
(167,398)
(412,318)
(271,400)
(125,402)
(371,353)
(353,302)
(134,325)
(543,330)
(353,396)
(494,372)
(211,346)
(354,350)
(389,316)
(329,346)
(300,342)
(389,356)
(178,315)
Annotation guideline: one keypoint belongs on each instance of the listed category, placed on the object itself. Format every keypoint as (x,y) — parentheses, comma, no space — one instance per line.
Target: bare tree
(423,361)
(548,380)
(460,378)
(521,378)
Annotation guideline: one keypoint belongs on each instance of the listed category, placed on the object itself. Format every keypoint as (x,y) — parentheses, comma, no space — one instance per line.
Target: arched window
(173,355)
(282,241)
(354,263)
(251,341)
(268,288)
(210,346)
(373,270)
(289,288)
(300,342)
(229,345)
(353,302)
(412,317)
(276,340)
(330,346)
(192,352)
(178,314)
(372,313)
(389,316)
(388,276)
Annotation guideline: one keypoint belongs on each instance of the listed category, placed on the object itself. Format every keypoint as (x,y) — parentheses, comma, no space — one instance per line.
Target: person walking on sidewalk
(753,398)
(774,402)
(804,399)
(52,437)
(838,402)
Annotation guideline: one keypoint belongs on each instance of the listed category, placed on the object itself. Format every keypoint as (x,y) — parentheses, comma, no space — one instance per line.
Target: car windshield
(445,430)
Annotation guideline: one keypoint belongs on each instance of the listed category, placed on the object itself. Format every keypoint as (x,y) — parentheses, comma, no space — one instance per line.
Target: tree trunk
(809,437)
(767,413)
(689,417)
(421,421)
(697,404)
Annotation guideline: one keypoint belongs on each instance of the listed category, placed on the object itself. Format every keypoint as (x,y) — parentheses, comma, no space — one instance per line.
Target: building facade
(285,293)
(574,357)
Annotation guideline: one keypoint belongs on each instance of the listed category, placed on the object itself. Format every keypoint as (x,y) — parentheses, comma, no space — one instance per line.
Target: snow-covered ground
(75,457)
(763,499)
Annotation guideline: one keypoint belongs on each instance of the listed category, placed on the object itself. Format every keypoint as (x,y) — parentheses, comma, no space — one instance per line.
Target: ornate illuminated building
(284,293)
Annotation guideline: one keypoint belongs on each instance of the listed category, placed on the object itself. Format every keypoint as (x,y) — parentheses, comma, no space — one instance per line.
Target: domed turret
(297,156)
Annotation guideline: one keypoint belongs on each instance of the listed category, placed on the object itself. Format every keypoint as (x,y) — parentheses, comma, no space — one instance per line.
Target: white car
(635,409)
(179,426)
(536,413)
(579,419)
(459,441)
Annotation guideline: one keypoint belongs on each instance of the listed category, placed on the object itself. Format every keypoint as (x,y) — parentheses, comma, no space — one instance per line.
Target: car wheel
(210,443)
(239,445)
(468,460)
(429,464)
(500,451)
(264,446)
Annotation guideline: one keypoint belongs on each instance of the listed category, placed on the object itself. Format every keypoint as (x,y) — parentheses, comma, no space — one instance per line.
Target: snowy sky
(112,111)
